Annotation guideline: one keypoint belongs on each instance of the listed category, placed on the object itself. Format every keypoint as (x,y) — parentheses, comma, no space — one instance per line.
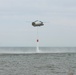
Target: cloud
(22,5)
(14,15)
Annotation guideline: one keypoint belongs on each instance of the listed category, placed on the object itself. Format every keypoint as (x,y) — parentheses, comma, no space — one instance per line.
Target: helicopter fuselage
(37,23)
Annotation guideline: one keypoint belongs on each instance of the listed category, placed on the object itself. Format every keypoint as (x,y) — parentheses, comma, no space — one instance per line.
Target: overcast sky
(59,17)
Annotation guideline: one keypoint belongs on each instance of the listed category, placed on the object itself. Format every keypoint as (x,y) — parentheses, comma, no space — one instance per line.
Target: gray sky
(59,17)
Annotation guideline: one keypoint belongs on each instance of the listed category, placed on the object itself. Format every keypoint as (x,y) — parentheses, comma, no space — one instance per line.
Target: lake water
(33,49)
(37,63)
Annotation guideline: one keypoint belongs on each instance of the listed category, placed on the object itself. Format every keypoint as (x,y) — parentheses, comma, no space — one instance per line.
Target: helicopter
(37,23)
